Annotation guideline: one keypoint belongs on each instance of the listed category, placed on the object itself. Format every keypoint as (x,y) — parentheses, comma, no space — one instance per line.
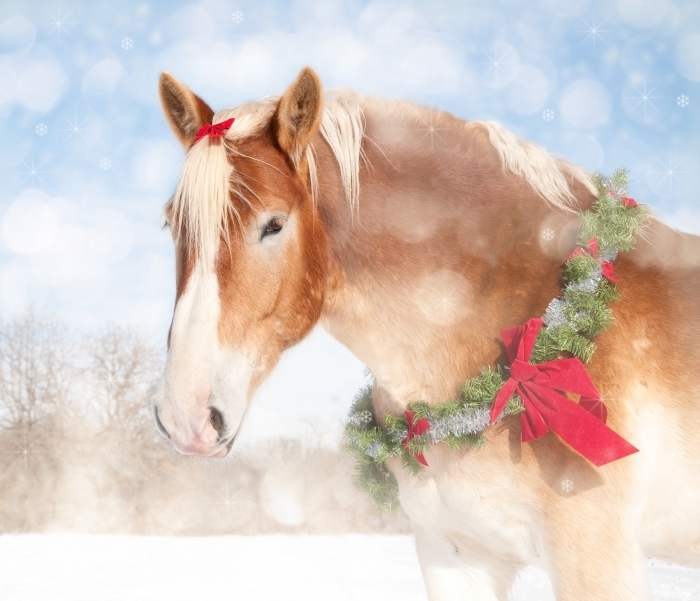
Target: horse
(414,237)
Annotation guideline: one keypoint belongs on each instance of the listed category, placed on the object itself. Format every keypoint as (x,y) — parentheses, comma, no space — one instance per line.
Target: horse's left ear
(298,114)
(185,111)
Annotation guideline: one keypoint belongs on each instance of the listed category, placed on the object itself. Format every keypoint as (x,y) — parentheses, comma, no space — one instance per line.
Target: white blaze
(199,373)
(184,392)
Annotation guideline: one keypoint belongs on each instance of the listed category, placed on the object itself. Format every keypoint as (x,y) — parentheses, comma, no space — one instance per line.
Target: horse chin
(216,453)
(221,454)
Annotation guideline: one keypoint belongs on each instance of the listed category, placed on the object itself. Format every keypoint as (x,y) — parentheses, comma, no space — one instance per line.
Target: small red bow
(592,248)
(608,272)
(415,428)
(217,130)
(581,425)
(630,203)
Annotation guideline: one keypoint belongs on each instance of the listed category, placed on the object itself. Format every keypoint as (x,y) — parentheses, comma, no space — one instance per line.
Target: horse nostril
(159,425)
(217,421)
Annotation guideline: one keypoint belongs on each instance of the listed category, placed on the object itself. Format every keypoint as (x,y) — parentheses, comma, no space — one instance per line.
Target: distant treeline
(78,451)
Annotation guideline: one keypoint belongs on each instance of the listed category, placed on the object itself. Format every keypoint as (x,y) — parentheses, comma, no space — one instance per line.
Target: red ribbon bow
(592,247)
(415,428)
(216,130)
(581,425)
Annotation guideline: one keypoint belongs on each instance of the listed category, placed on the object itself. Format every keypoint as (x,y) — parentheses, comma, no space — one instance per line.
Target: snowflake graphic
(594,32)
(227,502)
(237,17)
(644,98)
(127,43)
(105,163)
(59,22)
(76,129)
(498,64)
(33,172)
(41,129)
(446,296)
(25,452)
(441,297)
(567,485)
(670,173)
(109,379)
(548,115)
(683,101)
(430,130)
(364,417)
(548,234)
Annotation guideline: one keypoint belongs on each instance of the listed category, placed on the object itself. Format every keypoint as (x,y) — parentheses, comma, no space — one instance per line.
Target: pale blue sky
(87,160)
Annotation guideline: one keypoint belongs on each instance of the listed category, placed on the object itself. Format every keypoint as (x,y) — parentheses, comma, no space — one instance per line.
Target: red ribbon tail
(596,407)
(532,421)
(203,132)
(502,398)
(421,459)
(587,434)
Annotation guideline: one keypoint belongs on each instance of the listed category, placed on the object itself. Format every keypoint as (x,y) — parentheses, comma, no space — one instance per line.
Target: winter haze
(87,271)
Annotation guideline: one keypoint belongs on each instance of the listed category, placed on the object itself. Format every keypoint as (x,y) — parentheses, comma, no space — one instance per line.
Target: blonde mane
(551,177)
(201,200)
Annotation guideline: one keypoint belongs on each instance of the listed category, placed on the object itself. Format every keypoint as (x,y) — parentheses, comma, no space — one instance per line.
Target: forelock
(201,206)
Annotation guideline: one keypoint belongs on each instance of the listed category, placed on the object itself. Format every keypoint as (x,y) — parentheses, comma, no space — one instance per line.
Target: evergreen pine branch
(579,268)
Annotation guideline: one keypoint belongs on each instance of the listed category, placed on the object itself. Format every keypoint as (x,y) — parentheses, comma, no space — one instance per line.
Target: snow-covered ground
(76,567)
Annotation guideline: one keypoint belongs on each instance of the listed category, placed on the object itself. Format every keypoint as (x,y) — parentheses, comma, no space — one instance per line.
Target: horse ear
(298,114)
(185,111)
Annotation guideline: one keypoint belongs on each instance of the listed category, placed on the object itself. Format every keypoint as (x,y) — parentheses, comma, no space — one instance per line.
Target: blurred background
(87,272)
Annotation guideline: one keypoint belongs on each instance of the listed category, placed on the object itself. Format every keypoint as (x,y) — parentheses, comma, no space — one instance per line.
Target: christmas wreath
(546,360)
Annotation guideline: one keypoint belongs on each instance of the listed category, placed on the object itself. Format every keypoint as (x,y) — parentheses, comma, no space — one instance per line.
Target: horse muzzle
(204,437)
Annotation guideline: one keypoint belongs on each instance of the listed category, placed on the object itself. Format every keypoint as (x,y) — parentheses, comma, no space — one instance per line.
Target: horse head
(250,257)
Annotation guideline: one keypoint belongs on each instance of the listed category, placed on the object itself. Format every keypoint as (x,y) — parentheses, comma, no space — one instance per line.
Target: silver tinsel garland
(555,314)
(467,421)
(375,449)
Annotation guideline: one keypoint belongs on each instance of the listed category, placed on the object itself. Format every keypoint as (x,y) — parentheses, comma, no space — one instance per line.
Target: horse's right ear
(185,111)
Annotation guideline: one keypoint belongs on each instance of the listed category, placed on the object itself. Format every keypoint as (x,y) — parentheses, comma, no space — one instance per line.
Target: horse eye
(274,226)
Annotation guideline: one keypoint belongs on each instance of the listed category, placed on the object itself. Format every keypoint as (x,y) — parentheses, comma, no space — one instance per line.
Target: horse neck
(445,250)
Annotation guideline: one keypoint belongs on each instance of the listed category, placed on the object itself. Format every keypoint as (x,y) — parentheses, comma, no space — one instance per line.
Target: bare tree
(123,367)
(36,369)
